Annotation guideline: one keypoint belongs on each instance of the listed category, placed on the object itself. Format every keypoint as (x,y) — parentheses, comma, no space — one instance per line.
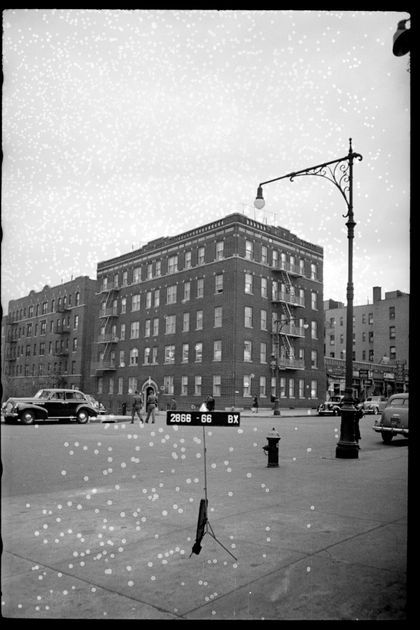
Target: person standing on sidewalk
(136,406)
(151,406)
(255,405)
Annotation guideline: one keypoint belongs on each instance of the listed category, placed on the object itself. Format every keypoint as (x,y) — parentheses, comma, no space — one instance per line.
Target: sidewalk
(317,538)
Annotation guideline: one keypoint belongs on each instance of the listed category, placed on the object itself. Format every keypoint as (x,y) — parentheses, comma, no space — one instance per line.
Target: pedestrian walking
(172,405)
(255,405)
(357,416)
(210,403)
(136,406)
(151,406)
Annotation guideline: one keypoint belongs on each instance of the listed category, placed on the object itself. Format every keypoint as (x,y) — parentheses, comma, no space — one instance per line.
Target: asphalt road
(110,511)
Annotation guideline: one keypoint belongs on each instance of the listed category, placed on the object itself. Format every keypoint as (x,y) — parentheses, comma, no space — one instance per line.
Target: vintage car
(50,404)
(95,403)
(331,407)
(394,418)
(374,404)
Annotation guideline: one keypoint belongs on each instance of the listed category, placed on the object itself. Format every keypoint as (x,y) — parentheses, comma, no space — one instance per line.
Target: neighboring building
(380,343)
(48,339)
(233,308)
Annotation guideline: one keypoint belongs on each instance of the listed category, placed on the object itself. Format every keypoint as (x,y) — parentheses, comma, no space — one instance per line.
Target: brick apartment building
(380,344)
(233,308)
(47,339)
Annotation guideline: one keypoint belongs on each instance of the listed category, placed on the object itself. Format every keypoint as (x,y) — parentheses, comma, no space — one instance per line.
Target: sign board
(363,373)
(203,418)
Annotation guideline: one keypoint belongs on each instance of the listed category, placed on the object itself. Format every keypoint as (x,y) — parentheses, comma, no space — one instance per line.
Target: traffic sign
(203,418)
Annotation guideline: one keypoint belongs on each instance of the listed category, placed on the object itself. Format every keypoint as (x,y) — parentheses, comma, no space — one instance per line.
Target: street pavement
(316,538)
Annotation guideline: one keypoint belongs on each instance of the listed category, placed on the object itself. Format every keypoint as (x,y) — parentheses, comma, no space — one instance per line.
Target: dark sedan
(50,404)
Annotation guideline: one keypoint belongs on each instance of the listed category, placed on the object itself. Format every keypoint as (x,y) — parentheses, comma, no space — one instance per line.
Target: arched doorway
(149,387)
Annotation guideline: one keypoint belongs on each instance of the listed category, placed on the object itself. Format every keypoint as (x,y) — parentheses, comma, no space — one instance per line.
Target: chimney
(377,294)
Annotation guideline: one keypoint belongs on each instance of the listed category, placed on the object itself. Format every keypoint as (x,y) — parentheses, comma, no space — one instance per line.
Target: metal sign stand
(204,526)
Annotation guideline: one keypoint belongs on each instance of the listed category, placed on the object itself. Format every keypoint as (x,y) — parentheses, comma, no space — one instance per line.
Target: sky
(121,126)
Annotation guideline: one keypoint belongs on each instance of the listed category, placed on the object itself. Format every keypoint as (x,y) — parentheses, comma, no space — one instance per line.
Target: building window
(219,250)
(314,389)
(264,255)
(246,386)
(263,352)
(155,327)
(217,386)
(43,330)
(198,352)
(124,278)
(120,385)
(371,355)
(392,332)
(264,290)
(185,352)
(332,340)
(187,264)
(122,332)
(314,301)
(370,318)
(122,358)
(171,294)
(148,299)
(123,305)
(197,386)
(146,356)
(135,302)
(314,330)
(200,287)
(392,353)
(219,283)
(282,387)
(291,387)
(169,354)
(158,268)
(263,319)
(184,385)
(149,271)
(248,316)
(371,336)
(249,250)
(75,344)
(263,387)
(392,312)
(170,325)
(111,386)
(301,385)
(134,356)
(248,283)
(247,350)
(185,322)
(76,322)
(314,272)
(147,328)
(132,384)
(314,359)
(218,316)
(172,264)
(134,330)
(100,385)
(200,257)
(199,320)
(168,384)
(217,350)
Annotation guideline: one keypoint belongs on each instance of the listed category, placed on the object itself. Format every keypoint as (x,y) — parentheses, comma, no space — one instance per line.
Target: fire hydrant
(272,448)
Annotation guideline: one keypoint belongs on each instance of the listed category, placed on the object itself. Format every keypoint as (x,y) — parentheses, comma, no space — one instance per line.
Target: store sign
(203,418)
(389,376)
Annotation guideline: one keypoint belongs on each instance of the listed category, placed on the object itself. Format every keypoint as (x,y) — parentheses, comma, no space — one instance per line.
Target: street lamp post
(340,173)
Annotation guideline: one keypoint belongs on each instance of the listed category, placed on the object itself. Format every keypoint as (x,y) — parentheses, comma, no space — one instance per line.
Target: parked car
(394,418)
(50,404)
(374,404)
(331,407)
(98,405)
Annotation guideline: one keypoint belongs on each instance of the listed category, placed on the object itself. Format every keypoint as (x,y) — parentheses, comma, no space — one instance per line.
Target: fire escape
(107,338)
(287,302)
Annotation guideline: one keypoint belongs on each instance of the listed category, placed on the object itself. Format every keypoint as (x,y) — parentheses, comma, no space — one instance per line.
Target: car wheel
(376,410)
(335,412)
(387,437)
(28,417)
(82,416)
